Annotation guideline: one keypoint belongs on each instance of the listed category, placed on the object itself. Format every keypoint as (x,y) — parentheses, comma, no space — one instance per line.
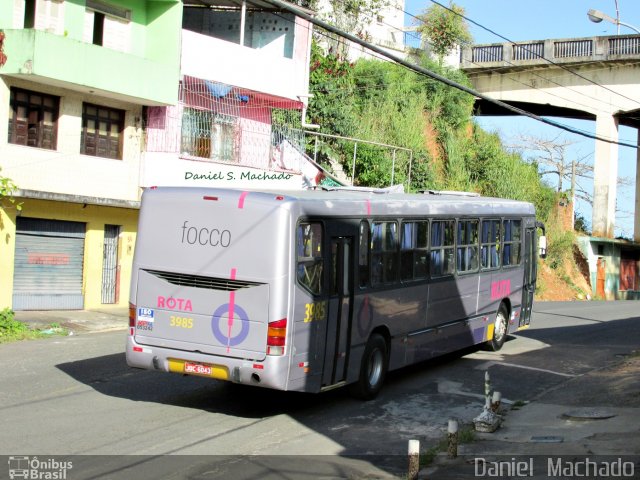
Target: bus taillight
(132,315)
(276,337)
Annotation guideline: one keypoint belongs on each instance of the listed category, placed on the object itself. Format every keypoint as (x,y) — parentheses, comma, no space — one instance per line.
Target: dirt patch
(567,283)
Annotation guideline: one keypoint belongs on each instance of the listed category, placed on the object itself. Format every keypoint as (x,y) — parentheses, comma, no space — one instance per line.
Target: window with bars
(33,119)
(206,134)
(102,131)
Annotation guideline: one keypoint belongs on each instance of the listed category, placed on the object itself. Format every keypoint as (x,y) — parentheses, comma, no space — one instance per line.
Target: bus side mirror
(542,246)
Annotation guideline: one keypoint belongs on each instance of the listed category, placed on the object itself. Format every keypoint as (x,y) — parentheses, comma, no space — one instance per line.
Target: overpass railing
(571,50)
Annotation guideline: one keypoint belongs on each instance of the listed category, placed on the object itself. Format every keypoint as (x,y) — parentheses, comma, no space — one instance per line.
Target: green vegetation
(444,28)
(387,103)
(12,329)
(466,434)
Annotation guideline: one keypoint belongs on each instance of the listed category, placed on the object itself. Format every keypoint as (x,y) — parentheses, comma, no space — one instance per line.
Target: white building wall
(64,170)
(259,70)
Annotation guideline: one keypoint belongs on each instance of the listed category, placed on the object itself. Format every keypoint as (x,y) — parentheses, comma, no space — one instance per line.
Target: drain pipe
(304,112)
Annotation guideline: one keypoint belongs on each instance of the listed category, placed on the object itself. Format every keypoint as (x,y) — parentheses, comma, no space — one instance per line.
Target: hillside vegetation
(386,103)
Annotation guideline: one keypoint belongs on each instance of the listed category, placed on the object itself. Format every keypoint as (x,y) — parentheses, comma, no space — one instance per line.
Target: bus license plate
(195,368)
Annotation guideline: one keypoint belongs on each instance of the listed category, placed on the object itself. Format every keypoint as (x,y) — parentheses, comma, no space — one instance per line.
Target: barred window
(33,119)
(467,251)
(511,242)
(442,246)
(102,131)
(206,134)
(490,244)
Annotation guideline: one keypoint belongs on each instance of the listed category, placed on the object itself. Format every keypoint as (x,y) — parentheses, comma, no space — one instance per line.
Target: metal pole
(393,166)
(315,151)
(353,168)
(243,14)
(410,161)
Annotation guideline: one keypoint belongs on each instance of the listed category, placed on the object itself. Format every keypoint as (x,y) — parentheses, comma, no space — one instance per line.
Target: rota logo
(500,289)
(171,303)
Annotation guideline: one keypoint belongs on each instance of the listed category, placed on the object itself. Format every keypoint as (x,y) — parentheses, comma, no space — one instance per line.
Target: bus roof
(370,202)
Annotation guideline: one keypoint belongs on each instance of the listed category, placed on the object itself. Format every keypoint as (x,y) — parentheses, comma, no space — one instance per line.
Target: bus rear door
(340,302)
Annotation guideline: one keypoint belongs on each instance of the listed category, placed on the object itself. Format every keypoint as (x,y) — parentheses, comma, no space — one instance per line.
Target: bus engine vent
(198,281)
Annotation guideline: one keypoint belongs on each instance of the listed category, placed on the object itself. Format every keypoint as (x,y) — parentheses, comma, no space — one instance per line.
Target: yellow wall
(95,217)
(7,250)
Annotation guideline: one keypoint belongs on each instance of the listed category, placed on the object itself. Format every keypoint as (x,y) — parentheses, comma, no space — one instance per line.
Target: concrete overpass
(595,78)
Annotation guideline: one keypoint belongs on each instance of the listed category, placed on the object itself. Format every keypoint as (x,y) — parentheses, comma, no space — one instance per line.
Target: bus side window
(363,254)
(310,263)
(384,252)
(467,251)
(511,242)
(490,241)
(413,250)
(442,246)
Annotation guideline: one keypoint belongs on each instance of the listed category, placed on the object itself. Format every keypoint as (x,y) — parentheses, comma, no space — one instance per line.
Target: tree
(352,16)
(443,28)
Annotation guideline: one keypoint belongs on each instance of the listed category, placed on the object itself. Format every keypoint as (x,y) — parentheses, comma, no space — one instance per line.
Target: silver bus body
(222,282)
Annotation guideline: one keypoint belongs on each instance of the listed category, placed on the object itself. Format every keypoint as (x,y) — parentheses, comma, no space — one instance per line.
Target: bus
(317,289)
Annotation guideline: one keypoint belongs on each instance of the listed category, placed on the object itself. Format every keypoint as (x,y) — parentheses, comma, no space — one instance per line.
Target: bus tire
(373,369)
(500,326)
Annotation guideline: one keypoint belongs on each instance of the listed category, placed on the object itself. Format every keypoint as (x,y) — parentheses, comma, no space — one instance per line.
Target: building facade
(241,100)
(72,92)
(614,267)
(100,99)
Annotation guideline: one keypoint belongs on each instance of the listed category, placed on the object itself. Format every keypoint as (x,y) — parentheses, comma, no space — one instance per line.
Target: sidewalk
(78,321)
(595,416)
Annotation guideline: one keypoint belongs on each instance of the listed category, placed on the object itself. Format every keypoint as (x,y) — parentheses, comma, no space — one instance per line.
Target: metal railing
(528,51)
(551,50)
(573,48)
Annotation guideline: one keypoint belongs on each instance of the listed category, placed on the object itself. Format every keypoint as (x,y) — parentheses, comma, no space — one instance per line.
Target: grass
(12,330)
(466,434)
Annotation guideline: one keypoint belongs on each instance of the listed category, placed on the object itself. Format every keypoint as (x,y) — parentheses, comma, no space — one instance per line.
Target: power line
(423,71)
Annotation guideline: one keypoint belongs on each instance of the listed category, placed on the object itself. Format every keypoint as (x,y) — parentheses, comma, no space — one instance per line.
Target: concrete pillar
(605,177)
(636,214)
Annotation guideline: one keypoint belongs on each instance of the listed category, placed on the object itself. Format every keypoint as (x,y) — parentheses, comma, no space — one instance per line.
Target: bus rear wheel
(373,369)
(499,329)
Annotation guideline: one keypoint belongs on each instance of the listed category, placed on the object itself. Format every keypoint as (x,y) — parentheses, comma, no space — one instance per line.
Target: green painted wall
(149,73)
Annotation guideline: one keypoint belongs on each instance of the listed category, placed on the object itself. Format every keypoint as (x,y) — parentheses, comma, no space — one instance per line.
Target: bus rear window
(309,249)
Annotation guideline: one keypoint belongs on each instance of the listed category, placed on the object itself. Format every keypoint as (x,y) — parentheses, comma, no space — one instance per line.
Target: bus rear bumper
(272,372)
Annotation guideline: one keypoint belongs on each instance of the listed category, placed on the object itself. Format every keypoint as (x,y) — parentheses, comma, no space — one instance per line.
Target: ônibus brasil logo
(21,466)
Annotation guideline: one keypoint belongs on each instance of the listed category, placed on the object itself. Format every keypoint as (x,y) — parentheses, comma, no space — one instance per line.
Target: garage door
(48,265)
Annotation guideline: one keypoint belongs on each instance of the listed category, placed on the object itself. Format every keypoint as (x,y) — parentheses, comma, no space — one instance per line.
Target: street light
(596,16)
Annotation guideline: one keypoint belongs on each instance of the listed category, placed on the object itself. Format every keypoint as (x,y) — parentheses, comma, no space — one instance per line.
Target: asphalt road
(76,396)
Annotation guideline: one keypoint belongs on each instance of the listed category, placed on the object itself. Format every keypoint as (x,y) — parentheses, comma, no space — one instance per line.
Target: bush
(9,326)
